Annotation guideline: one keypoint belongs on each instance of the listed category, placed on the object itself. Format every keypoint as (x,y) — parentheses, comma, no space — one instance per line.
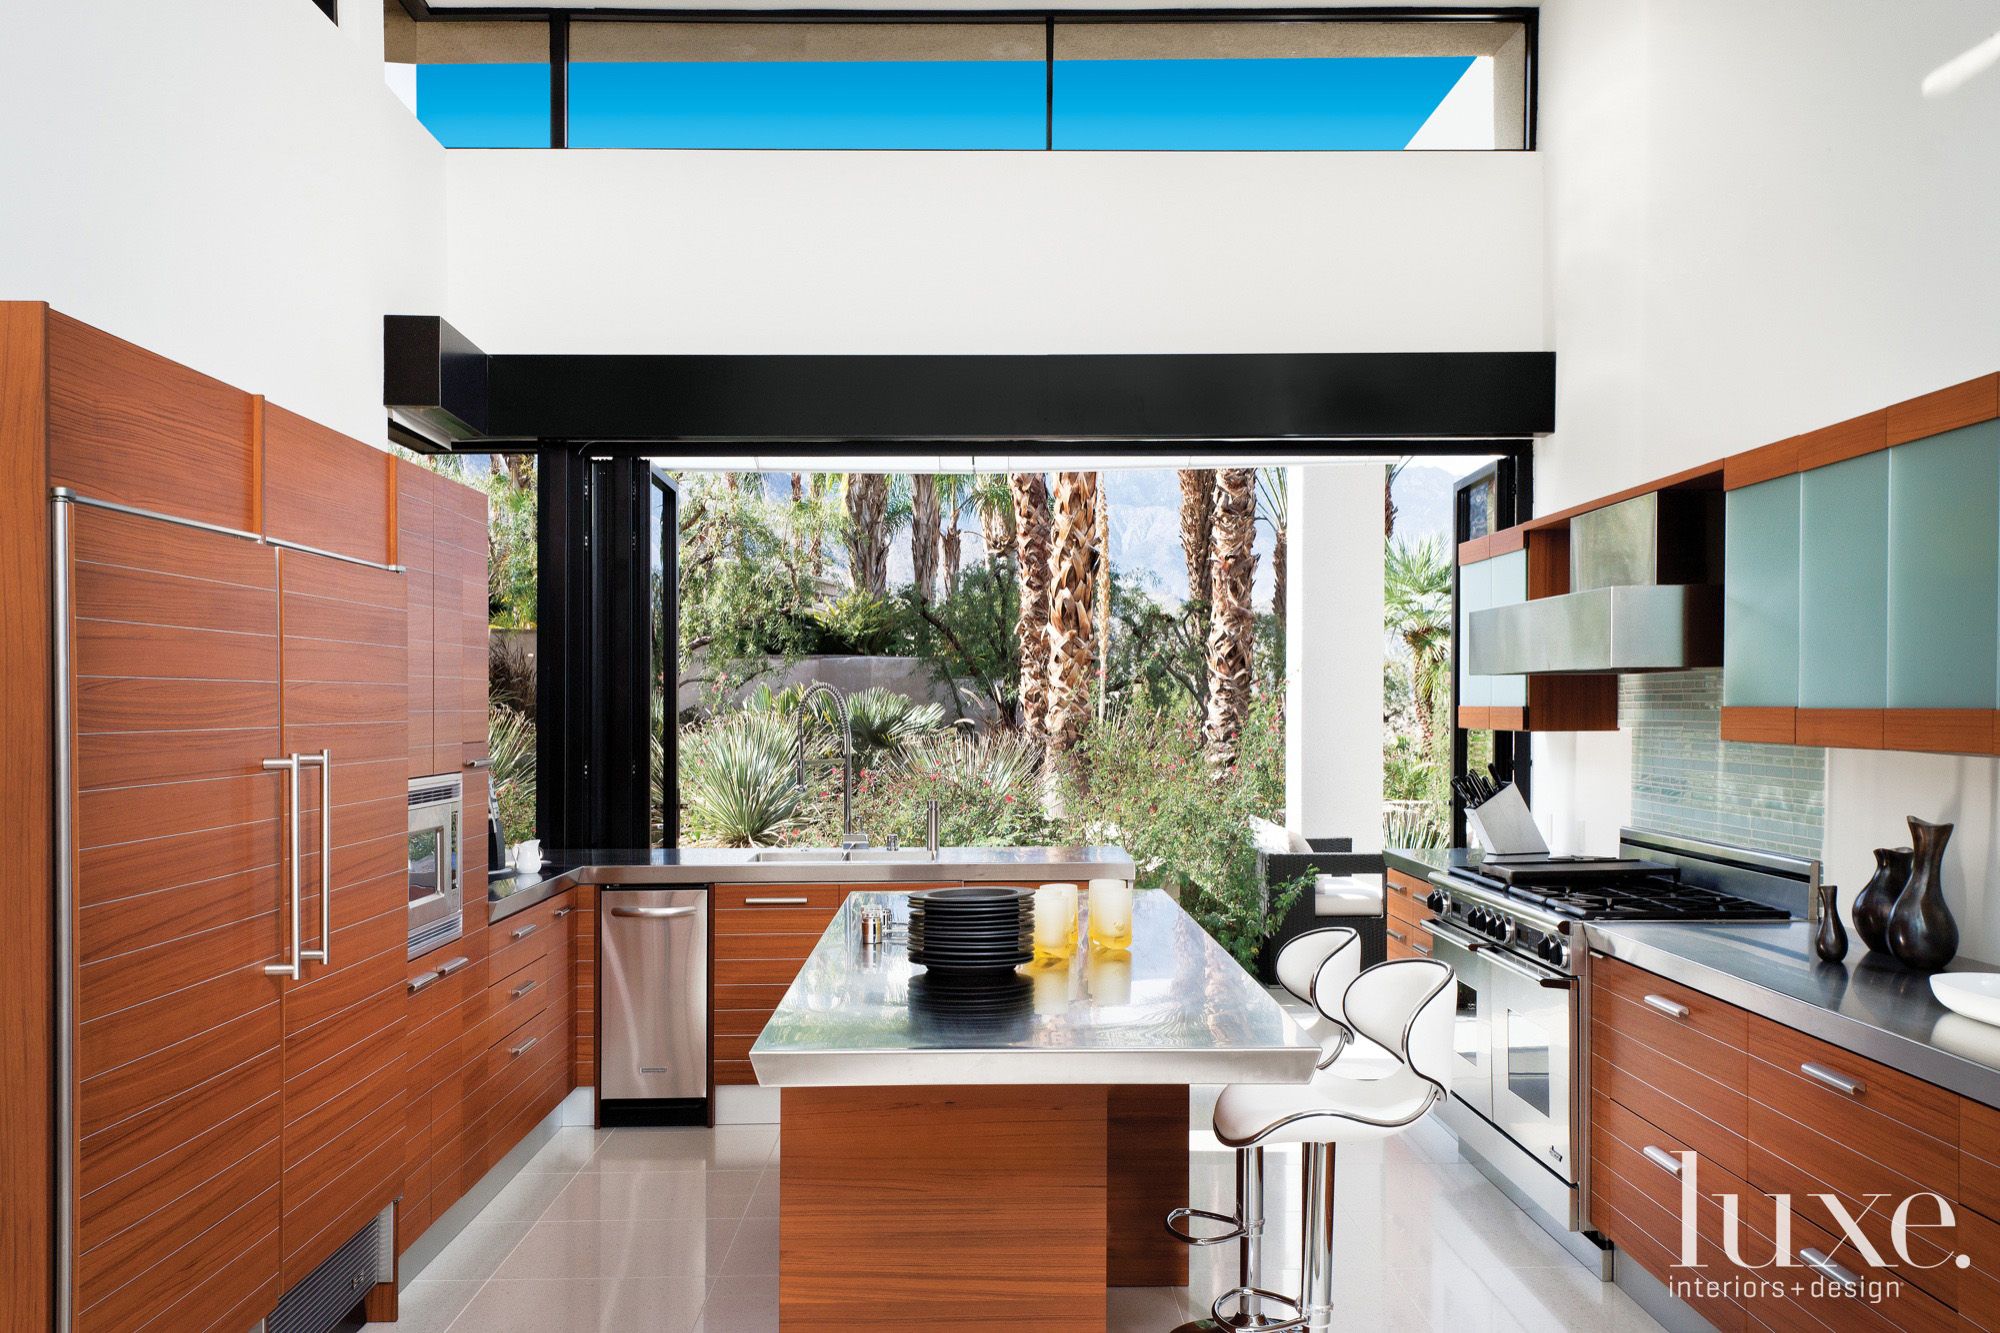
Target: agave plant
(738,785)
(887,723)
(510,741)
(1004,761)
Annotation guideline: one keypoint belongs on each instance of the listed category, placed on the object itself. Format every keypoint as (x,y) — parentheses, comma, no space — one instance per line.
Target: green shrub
(986,788)
(862,623)
(510,742)
(1140,780)
(737,781)
(884,722)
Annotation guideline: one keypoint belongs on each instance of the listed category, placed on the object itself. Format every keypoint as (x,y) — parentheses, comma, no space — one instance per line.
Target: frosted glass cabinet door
(1509,574)
(1760,596)
(1944,569)
(1844,585)
(1475,593)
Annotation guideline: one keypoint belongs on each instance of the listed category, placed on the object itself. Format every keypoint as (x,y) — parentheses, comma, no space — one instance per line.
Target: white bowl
(1974,994)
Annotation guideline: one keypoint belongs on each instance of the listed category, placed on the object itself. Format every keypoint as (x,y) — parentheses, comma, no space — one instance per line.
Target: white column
(1333,653)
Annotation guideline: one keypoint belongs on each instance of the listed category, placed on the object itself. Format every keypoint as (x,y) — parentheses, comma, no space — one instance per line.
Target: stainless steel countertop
(1868,1004)
(682,867)
(1179,1009)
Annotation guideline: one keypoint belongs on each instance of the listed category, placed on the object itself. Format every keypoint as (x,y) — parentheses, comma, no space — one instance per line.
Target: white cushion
(1297,842)
(1347,895)
(1269,838)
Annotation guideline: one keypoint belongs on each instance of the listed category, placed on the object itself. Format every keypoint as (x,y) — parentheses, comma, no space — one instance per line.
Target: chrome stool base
(1247,1320)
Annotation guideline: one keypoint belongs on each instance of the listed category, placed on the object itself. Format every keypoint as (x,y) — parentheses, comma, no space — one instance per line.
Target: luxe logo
(1902,1222)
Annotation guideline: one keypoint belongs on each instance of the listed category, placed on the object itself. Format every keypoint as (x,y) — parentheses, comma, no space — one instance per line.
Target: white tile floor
(676,1230)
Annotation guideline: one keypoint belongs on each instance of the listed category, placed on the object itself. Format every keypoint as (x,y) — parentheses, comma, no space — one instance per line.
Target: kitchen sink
(834,855)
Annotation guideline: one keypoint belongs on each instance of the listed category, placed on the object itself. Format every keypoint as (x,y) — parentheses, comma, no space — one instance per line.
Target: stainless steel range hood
(1645,595)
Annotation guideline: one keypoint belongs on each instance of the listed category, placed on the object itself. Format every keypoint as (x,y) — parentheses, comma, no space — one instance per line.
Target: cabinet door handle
(519,991)
(654,913)
(522,1049)
(1834,1079)
(423,981)
(562,912)
(479,763)
(525,931)
(447,969)
(1668,1007)
(1663,1159)
(290,767)
(1396,935)
(324,762)
(1823,1262)
(776,902)
(1423,949)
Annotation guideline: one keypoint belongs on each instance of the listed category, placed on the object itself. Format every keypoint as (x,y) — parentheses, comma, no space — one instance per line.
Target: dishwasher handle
(655,913)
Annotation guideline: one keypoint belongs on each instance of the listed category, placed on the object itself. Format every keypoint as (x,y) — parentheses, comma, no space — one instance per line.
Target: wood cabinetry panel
(1979,1158)
(416,550)
(137,429)
(583,1073)
(323,490)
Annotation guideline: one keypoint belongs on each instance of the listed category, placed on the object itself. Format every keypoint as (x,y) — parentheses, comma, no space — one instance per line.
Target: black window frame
(560,20)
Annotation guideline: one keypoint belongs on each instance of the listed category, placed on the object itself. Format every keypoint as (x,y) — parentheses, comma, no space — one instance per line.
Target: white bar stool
(1319,961)
(1407,1008)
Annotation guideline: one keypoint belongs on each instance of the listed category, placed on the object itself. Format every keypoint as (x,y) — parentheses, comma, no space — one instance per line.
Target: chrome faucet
(850,839)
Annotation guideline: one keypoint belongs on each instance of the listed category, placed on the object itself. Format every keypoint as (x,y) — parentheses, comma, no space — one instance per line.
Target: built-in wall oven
(437,861)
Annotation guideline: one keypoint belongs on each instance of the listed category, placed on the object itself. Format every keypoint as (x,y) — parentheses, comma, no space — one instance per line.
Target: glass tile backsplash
(1686,779)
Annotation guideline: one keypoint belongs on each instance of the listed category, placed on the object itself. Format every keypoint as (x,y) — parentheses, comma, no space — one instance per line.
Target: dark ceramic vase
(1830,940)
(1878,896)
(1922,935)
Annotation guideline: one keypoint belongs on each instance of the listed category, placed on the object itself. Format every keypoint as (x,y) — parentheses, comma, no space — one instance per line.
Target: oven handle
(1506,961)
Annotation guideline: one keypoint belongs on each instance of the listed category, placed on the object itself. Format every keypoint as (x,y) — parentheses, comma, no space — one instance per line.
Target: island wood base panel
(975,1207)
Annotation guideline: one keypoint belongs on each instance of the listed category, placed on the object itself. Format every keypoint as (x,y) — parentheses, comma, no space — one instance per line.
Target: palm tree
(1073,568)
(1030,492)
(1232,620)
(992,499)
(1394,470)
(1197,520)
(954,488)
(924,535)
(1274,508)
(868,531)
(1417,610)
(1102,599)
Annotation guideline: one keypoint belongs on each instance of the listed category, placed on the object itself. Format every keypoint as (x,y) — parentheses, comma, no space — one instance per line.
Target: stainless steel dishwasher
(653,1007)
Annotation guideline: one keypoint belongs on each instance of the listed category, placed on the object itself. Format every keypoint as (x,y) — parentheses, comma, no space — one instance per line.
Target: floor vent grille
(327,1297)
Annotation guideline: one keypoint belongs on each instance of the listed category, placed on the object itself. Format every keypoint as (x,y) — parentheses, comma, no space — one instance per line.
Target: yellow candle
(1111,913)
(1055,922)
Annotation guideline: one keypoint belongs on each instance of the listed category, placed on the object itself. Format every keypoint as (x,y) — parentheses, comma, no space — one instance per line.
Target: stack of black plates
(973,929)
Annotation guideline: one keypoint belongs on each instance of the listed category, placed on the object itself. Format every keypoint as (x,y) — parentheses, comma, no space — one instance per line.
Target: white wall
(728,252)
(228,183)
(1758,225)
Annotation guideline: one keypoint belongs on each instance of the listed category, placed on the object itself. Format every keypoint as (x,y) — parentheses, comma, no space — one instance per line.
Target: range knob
(1439,902)
(1553,950)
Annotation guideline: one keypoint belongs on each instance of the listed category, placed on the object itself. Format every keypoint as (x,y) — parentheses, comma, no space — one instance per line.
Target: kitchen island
(951,1169)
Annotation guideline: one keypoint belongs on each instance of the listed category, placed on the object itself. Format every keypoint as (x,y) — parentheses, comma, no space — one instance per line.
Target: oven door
(1533,1077)
(1472,1036)
(435,869)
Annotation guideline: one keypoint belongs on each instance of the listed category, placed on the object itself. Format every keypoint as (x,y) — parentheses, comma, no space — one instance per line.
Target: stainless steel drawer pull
(776,902)
(521,990)
(1668,1007)
(1834,1079)
(1397,936)
(424,981)
(654,913)
(479,763)
(525,931)
(446,969)
(562,912)
(1663,1159)
(522,1049)
(1423,949)
(1820,1260)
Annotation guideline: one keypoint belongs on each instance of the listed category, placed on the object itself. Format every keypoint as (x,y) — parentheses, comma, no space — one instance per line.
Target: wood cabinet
(1406,928)
(441,539)
(1782,1120)
(1504,569)
(1862,580)
(763,933)
(180,845)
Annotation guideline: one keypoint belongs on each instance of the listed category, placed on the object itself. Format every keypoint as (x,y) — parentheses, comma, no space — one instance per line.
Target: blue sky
(1346,103)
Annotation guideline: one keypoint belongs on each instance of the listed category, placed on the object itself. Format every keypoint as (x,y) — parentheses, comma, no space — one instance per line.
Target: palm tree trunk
(798,487)
(1197,519)
(924,520)
(1278,555)
(953,553)
(1073,568)
(1103,599)
(1232,626)
(867,532)
(1032,527)
(1423,694)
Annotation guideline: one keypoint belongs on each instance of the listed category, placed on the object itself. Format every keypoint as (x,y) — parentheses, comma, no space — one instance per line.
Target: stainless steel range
(1510,927)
